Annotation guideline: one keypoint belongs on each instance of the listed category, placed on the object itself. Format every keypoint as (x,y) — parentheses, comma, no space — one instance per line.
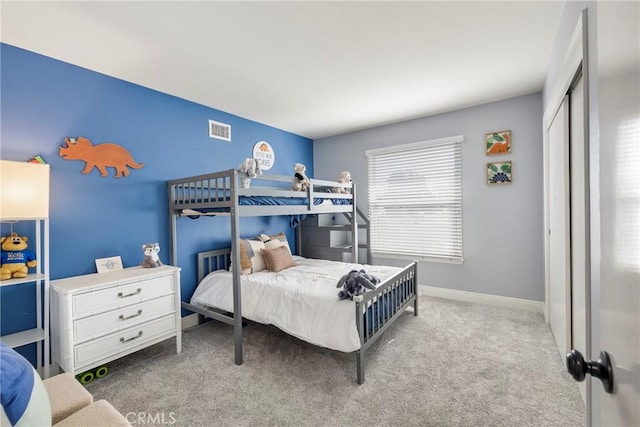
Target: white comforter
(301,300)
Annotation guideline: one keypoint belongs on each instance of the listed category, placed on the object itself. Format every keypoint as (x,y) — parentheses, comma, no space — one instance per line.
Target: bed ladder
(325,236)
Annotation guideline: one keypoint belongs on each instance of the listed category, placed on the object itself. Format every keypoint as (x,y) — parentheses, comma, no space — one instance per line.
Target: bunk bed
(223,194)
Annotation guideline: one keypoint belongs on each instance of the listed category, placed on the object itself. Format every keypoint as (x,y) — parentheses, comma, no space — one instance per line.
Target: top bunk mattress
(271,195)
(259,201)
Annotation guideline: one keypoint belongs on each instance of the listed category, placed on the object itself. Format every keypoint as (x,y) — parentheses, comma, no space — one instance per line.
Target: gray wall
(503,237)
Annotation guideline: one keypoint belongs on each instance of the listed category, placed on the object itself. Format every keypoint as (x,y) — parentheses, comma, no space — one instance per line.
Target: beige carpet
(457,364)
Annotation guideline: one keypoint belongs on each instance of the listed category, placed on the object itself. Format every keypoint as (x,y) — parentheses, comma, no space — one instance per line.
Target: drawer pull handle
(121,295)
(123,339)
(122,316)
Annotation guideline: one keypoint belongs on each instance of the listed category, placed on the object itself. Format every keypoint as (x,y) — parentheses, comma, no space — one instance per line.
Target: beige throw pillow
(278,259)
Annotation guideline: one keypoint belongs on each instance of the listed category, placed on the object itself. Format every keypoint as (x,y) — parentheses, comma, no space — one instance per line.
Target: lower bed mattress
(301,300)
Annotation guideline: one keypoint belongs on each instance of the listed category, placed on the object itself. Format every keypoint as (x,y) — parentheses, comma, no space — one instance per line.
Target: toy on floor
(300,180)
(345,178)
(15,260)
(151,258)
(354,283)
(88,376)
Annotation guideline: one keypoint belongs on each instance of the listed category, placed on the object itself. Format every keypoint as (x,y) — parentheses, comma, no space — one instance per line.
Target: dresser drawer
(123,340)
(122,318)
(90,303)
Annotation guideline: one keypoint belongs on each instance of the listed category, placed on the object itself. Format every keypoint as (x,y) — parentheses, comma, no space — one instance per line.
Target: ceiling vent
(219,130)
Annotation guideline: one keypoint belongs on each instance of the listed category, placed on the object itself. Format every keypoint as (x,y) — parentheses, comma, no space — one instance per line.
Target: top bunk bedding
(217,193)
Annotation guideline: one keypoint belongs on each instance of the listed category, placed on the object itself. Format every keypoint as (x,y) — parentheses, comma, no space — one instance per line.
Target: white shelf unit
(39,334)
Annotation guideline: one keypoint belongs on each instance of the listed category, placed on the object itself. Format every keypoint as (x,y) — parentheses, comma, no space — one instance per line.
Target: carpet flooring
(456,364)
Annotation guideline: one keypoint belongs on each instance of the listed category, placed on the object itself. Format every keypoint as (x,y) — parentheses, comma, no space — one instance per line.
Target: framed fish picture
(499,173)
(498,142)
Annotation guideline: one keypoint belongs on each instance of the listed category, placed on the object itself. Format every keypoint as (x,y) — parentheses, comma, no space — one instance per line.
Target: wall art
(99,156)
(499,173)
(498,142)
(264,154)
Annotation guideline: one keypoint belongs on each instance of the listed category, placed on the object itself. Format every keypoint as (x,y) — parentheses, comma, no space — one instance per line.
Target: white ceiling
(313,68)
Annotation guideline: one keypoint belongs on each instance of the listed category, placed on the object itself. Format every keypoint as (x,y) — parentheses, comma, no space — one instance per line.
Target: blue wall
(45,100)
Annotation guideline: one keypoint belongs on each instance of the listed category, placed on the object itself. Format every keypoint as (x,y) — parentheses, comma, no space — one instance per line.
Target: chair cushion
(66,396)
(98,414)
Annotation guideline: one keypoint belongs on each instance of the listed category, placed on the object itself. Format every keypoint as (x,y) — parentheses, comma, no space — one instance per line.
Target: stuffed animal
(345,178)
(300,180)
(354,283)
(251,167)
(15,260)
(151,258)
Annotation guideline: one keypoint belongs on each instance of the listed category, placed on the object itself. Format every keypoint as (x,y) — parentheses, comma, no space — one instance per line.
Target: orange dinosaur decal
(100,156)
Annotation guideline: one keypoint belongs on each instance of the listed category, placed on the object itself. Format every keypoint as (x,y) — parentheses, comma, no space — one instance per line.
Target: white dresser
(97,318)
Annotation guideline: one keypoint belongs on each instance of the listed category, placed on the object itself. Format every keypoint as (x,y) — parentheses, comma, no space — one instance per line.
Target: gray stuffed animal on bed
(354,283)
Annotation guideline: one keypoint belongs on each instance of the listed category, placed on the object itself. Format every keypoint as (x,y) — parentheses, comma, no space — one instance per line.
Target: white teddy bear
(251,167)
(345,178)
(300,181)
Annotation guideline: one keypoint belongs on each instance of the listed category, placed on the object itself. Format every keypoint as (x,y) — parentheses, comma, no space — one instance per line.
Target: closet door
(579,226)
(559,227)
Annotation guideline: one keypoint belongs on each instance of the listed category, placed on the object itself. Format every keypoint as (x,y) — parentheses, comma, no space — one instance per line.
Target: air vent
(219,130)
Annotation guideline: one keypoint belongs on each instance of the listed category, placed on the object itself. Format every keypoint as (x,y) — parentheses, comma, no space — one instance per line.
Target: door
(559,247)
(568,223)
(578,228)
(616,296)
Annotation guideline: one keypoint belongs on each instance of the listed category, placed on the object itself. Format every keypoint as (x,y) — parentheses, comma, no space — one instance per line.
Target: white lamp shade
(24,190)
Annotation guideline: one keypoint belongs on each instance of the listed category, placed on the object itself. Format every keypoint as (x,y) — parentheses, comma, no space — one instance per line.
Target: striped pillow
(275,241)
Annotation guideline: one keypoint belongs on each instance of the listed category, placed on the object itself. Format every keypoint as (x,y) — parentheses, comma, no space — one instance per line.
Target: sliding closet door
(559,227)
(579,227)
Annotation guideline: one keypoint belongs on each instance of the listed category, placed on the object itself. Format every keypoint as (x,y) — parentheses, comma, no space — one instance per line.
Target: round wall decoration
(264,154)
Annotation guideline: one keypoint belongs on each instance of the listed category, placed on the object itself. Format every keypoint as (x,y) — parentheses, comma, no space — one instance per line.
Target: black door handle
(602,369)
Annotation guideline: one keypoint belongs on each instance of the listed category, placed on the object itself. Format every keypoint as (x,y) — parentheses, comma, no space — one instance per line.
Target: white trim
(190,321)
(495,300)
(413,145)
(444,260)
(570,62)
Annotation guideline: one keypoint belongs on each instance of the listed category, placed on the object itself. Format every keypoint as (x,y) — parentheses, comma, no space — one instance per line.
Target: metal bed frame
(221,191)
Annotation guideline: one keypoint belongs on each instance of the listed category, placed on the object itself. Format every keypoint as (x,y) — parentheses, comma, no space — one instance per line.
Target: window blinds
(415,200)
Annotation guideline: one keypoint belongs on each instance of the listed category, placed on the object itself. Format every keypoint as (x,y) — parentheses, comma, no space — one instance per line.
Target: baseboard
(190,321)
(516,303)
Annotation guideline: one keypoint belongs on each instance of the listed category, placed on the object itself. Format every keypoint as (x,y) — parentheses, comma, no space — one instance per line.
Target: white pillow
(25,401)
(251,259)
(275,241)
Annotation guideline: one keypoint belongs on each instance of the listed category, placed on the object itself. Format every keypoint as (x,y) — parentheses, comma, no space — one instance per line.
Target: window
(415,200)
